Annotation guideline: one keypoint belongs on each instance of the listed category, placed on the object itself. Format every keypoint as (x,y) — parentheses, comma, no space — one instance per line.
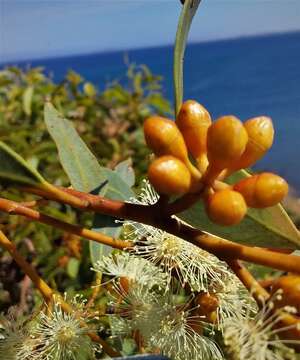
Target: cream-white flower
(192,265)
(139,307)
(256,337)
(164,325)
(120,326)
(175,335)
(64,335)
(233,298)
(16,343)
(135,269)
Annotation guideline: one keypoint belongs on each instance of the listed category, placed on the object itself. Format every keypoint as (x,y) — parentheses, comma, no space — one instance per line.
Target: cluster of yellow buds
(218,149)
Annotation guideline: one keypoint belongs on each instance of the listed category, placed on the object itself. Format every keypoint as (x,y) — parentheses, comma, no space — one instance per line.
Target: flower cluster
(176,299)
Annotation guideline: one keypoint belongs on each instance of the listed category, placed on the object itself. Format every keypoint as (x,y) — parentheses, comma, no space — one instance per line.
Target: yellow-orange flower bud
(169,176)
(207,303)
(193,121)
(226,207)
(260,138)
(164,138)
(289,295)
(262,190)
(226,141)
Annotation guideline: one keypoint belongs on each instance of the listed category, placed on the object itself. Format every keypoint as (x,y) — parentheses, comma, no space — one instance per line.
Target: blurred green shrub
(109,121)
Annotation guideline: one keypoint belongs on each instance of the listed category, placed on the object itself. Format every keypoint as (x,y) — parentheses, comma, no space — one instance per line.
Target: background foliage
(108,120)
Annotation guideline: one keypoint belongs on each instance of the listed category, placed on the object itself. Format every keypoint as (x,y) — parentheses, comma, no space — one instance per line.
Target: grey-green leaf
(14,169)
(117,189)
(188,11)
(126,172)
(270,227)
(77,160)
(86,174)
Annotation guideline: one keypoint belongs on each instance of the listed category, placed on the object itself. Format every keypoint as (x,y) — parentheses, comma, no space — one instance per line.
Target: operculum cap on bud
(226,142)
(169,176)
(164,138)
(226,207)
(193,120)
(262,190)
(260,132)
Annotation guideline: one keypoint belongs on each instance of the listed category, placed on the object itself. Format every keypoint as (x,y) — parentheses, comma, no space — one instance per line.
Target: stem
(223,249)
(63,196)
(188,11)
(250,283)
(28,269)
(183,203)
(15,208)
(102,205)
(262,296)
(228,250)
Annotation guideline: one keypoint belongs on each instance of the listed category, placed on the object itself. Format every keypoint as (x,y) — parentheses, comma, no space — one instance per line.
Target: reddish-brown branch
(183,203)
(99,204)
(224,249)
(13,207)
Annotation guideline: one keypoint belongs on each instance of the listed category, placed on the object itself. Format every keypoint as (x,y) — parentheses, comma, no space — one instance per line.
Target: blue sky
(46,28)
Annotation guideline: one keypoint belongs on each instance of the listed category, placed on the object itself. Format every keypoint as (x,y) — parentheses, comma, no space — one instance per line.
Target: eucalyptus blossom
(192,265)
(260,336)
(16,341)
(133,268)
(64,335)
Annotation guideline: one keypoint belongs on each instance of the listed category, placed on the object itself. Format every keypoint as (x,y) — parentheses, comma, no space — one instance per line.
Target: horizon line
(124,50)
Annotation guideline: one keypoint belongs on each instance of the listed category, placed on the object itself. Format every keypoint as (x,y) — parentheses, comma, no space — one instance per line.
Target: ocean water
(246,77)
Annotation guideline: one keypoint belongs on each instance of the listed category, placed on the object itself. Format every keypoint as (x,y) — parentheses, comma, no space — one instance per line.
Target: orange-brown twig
(13,207)
(250,283)
(224,249)
(39,283)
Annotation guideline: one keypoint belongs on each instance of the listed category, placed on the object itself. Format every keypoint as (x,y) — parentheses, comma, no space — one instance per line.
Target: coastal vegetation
(110,122)
(127,228)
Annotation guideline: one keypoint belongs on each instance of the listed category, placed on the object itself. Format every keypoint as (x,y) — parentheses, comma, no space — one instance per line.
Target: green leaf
(106,225)
(188,11)
(270,227)
(13,168)
(117,189)
(27,100)
(86,174)
(78,162)
(126,172)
